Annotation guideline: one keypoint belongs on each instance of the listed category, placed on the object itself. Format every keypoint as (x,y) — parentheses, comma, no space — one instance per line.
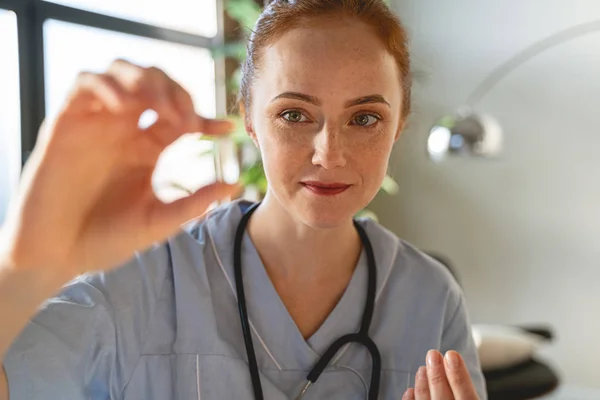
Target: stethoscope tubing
(361,337)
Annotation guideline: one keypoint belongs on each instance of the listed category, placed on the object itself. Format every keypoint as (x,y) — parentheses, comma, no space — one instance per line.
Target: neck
(292,250)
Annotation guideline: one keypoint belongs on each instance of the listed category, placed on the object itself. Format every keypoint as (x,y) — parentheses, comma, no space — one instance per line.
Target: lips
(325,188)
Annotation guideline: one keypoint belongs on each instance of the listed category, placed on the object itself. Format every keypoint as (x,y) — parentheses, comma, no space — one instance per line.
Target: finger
(422,385)
(458,377)
(185,106)
(173,96)
(409,394)
(95,91)
(167,98)
(163,133)
(150,87)
(193,122)
(215,127)
(166,218)
(439,387)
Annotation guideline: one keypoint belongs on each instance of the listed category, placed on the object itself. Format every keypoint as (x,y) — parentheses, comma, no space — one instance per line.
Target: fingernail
(434,358)
(452,359)
(422,373)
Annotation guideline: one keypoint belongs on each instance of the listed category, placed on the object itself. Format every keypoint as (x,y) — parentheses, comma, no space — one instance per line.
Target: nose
(329,148)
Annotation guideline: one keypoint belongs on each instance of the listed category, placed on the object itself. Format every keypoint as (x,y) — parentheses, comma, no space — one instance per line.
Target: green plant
(252,175)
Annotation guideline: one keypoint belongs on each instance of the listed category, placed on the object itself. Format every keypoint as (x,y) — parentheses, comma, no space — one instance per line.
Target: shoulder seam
(454,314)
(389,272)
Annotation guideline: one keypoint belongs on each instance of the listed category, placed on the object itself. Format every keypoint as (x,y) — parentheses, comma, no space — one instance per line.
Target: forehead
(343,57)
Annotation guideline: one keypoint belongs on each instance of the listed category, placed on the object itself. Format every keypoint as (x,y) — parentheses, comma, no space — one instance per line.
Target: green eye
(365,120)
(294,116)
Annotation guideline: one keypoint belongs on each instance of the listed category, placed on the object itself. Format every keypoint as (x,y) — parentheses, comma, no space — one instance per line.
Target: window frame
(31,15)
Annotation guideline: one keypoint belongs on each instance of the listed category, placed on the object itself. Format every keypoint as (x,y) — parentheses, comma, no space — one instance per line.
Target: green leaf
(208,152)
(239,135)
(208,138)
(235,50)
(241,138)
(365,213)
(253,174)
(245,12)
(235,81)
(262,185)
(447,121)
(390,186)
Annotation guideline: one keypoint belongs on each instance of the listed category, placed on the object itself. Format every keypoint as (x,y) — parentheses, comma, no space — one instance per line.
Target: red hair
(282,15)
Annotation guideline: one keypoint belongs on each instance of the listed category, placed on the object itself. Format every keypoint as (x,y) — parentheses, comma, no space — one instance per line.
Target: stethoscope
(362,337)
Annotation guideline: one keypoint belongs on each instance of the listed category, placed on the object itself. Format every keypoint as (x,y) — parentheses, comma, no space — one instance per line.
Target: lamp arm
(524,55)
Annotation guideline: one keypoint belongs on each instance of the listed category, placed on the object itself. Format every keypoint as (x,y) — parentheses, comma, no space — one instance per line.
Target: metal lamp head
(464,133)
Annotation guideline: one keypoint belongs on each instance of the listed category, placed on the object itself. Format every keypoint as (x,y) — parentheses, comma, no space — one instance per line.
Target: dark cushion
(524,381)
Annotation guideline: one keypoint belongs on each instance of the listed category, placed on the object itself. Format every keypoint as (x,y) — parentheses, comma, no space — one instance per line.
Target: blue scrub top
(165,326)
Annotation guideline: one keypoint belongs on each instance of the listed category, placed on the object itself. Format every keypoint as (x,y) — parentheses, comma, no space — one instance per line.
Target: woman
(326,93)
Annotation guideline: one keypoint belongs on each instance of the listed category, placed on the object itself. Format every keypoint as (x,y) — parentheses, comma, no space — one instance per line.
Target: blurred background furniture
(507,354)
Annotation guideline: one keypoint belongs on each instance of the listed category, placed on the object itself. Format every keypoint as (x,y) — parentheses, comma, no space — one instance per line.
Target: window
(10,143)
(70,48)
(60,38)
(197,16)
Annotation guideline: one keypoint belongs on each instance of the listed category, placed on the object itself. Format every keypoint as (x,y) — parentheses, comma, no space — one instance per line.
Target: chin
(326,213)
(320,212)
(320,221)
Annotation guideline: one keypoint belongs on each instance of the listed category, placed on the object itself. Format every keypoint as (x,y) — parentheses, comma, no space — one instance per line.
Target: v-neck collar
(344,318)
(277,331)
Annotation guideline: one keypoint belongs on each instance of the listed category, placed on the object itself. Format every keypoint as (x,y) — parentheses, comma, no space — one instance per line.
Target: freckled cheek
(286,156)
(371,158)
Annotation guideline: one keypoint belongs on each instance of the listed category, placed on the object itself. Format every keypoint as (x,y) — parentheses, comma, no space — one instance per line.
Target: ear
(401,127)
(250,130)
(248,123)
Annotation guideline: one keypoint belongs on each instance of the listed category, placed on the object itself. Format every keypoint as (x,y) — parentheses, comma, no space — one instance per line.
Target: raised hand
(86,201)
(444,378)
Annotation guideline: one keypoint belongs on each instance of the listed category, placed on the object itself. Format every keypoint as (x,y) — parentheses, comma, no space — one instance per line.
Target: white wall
(523,230)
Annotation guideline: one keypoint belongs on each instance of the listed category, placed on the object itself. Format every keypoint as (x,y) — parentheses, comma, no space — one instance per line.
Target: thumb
(168,217)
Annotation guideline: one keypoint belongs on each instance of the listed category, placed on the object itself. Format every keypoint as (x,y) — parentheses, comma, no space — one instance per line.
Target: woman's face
(326,105)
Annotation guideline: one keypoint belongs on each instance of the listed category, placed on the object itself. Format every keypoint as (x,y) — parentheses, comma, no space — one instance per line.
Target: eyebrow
(298,96)
(374,98)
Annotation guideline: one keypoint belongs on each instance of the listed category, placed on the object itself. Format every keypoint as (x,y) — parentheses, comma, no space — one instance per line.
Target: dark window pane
(198,17)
